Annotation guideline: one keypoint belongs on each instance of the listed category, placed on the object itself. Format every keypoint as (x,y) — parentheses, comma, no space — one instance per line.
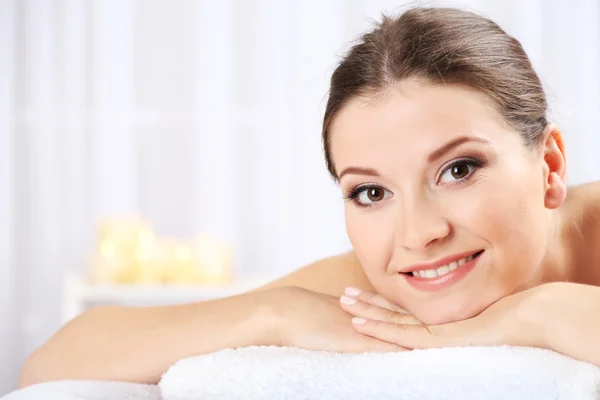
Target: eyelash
(473,162)
(353,194)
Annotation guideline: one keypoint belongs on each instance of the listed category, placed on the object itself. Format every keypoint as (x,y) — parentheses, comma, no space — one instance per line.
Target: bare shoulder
(591,201)
(583,210)
(329,275)
(591,189)
(586,199)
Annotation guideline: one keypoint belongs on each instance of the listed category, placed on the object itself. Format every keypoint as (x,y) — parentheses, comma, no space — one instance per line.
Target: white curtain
(205,116)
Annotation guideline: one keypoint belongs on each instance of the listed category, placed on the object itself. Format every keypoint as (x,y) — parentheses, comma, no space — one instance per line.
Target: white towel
(452,373)
(286,373)
(86,390)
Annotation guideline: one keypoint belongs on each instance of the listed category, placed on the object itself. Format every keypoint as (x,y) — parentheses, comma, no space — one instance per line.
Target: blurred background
(160,151)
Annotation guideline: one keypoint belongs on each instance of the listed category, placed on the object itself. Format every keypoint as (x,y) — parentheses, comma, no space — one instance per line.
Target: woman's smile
(441,274)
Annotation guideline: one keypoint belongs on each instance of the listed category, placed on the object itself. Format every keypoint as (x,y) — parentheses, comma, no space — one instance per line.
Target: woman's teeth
(443,270)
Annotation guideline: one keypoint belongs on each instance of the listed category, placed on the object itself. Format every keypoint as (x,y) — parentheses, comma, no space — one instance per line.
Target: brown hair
(441,46)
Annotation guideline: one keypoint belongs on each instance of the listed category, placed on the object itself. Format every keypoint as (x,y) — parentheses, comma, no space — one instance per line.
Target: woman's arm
(139,344)
(561,316)
(570,316)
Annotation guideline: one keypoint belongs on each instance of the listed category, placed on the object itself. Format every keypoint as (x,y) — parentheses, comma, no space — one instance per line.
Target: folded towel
(451,373)
(287,373)
(86,390)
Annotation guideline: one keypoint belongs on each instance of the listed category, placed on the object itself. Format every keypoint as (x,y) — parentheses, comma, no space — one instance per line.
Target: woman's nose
(419,224)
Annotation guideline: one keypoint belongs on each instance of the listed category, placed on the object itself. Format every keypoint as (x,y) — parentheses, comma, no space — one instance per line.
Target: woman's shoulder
(583,204)
(586,198)
(590,194)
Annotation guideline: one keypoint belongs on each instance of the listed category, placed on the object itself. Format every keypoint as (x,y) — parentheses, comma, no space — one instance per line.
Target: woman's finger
(412,336)
(373,298)
(369,311)
(405,335)
(372,344)
(418,336)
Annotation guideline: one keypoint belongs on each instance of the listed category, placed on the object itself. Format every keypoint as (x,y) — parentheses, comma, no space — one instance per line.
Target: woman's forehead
(411,120)
(421,107)
(415,102)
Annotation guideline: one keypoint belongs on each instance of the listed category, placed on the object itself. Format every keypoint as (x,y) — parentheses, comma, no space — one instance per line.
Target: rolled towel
(463,373)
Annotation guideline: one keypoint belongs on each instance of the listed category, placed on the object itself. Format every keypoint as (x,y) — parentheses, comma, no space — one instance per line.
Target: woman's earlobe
(556,191)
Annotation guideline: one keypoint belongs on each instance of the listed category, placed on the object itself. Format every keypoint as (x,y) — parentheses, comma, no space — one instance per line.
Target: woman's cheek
(502,219)
(371,233)
(476,212)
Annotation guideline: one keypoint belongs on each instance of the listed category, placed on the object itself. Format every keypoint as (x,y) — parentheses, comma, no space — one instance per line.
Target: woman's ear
(555,167)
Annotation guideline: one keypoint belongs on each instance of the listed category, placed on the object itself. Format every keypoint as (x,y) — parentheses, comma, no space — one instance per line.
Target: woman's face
(445,205)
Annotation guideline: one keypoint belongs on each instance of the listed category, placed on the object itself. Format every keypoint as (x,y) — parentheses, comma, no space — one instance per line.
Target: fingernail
(358,321)
(347,300)
(352,291)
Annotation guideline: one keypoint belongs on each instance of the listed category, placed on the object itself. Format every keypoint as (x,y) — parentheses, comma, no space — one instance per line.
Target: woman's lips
(447,276)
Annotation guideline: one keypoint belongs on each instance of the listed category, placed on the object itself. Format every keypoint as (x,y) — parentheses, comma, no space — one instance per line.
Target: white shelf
(78,294)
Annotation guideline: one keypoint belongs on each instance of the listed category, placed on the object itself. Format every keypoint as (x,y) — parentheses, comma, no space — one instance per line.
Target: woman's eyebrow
(358,171)
(432,157)
(454,143)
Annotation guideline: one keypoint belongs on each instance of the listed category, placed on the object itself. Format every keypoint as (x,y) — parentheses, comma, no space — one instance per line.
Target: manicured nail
(358,321)
(352,291)
(347,300)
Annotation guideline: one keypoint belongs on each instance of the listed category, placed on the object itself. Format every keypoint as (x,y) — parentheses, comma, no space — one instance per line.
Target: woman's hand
(509,321)
(314,321)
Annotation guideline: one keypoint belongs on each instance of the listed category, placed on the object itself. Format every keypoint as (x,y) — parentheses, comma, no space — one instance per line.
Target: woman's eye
(458,171)
(369,195)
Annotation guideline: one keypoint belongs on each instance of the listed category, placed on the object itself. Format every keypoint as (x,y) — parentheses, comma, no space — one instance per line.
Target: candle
(128,252)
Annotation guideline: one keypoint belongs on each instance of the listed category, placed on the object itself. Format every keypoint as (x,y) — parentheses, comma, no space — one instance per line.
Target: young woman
(457,210)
